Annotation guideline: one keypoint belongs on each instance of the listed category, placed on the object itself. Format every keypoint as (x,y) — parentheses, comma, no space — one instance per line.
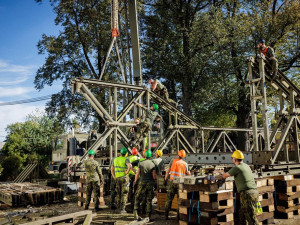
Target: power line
(37,99)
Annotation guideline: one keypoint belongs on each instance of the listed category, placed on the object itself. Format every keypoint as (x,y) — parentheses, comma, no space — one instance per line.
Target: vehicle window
(59,143)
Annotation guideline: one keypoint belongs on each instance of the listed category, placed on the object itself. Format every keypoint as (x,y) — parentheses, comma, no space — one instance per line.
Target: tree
(11,167)
(79,50)
(202,47)
(31,138)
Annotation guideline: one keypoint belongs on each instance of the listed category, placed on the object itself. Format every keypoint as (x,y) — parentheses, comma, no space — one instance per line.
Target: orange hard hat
(134,151)
(181,153)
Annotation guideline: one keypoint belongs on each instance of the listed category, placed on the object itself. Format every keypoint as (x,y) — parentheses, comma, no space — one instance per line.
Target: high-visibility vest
(133,158)
(265,51)
(120,166)
(178,168)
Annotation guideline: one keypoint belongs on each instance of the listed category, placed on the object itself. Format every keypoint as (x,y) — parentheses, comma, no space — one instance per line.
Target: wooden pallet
(82,194)
(161,201)
(20,194)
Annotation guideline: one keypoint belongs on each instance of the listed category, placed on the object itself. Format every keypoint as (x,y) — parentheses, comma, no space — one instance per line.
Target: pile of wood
(288,196)
(161,195)
(22,194)
(265,187)
(204,202)
(82,194)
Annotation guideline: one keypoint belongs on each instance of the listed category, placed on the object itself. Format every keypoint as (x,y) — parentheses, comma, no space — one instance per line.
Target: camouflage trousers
(112,192)
(165,94)
(122,191)
(142,132)
(132,190)
(172,190)
(92,186)
(247,212)
(144,192)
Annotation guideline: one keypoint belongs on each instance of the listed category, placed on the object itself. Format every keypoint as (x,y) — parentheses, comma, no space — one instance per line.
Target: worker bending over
(246,186)
(119,170)
(147,178)
(94,180)
(161,89)
(177,168)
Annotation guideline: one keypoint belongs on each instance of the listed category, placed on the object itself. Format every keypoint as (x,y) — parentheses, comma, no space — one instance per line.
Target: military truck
(72,145)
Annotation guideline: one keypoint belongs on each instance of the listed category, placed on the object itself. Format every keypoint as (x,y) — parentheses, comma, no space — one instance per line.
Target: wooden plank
(287,210)
(215,196)
(266,195)
(193,219)
(288,196)
(261,182)
(289,203)
(223,204)
(265,189)
(288,190)
(200,187)
(286,183)
(60,218)
(267,202)
(286,177)
(265,216)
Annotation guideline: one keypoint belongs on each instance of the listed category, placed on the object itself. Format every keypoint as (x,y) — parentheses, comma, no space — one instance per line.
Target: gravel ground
(106,216)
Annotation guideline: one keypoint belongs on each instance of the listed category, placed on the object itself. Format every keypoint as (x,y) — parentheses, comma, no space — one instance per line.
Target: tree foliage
(197,48)
(31,140)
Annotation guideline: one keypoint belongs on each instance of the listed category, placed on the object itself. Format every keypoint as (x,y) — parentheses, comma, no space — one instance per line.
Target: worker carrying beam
(177,168)
(94,180)
(268,52)
(246,186)
(161,89)
(119,170)
(146,175)
(144,127)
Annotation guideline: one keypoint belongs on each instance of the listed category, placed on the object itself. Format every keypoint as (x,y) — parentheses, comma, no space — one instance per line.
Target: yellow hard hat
(237,154)
(159,153)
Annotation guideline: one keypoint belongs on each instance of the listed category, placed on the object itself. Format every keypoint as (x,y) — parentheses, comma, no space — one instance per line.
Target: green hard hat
(155,106)
(123,151)
(148,153)
(91,152)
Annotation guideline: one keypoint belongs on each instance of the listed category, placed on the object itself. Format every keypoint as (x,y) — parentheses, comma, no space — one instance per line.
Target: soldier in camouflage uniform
(147,175)
(161,89)
(94,177)
(246,186)
(119,170)
(177,168)
(269,53)
(144,127)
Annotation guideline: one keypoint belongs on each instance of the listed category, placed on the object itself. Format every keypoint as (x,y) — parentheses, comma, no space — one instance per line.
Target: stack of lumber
(82,194)
(265,187)
(20,194)
(204,202)
(161,195)
(288,196)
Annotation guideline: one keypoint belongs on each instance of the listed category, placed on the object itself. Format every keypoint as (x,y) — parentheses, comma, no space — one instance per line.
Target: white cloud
(15,113)
(11,74)
(15,91)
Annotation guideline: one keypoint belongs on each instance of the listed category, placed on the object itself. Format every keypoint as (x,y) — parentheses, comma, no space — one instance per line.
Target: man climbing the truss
(268,52)
(144,127)
(161,90)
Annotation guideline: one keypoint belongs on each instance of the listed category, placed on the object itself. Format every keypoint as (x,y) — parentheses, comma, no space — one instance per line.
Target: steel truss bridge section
(286,148)
(116,115)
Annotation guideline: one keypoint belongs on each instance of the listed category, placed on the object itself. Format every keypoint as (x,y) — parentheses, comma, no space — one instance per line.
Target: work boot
(167,215)
(97,209)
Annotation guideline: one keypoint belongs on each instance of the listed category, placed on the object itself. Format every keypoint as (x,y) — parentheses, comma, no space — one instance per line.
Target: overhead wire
(37,99)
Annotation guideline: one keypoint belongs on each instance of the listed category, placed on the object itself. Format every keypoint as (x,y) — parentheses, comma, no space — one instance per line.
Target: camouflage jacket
(93,170)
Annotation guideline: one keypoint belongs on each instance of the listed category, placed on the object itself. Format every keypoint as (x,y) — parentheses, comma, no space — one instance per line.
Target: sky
(22,23)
